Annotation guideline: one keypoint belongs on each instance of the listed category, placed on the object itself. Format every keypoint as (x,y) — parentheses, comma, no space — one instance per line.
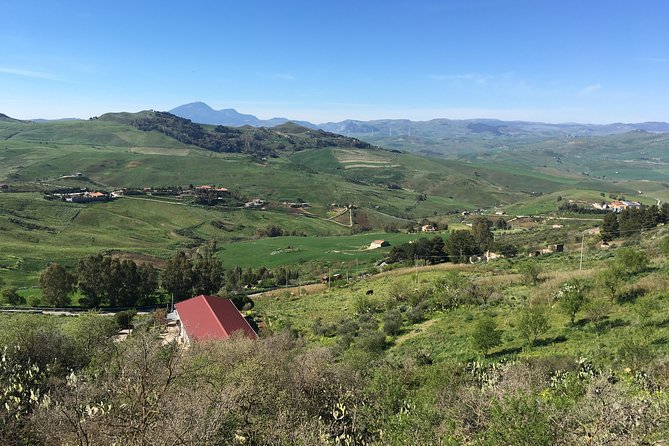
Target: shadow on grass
(608,324)
(660,341)
(663,324)
(550,341)
(505,352)
(580,323)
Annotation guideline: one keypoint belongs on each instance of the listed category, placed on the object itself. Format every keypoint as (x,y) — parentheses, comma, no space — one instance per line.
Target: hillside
(5,118)
(386,190)
(257,141)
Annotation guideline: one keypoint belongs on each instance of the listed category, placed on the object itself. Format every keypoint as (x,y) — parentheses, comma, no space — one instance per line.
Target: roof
(211,317)
(379,242)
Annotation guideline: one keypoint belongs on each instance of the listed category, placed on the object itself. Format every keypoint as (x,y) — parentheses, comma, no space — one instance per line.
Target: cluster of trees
(102,280)
(458,247)
(185,277)
(633,220)
(215,197)
(106,281)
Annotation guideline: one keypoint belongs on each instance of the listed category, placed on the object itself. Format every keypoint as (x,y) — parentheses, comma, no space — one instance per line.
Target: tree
(460,245)
(57,285)
(207,271)
(630,221)
(148,284)
(10,296)
(482,234)
(93,279)
(571,298)
(530,272)
(104,280)
(533,322)
(610,228)
(610,280)
(177,277)
(486,335)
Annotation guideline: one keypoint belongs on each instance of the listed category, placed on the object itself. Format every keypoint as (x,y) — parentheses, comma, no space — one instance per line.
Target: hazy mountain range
(436,128)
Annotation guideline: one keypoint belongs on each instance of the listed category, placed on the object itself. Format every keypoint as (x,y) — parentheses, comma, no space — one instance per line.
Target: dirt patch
(159,151)
(367,166)
(133,164)
(364,161)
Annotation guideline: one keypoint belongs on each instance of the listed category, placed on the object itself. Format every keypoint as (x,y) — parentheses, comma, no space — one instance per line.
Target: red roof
(212,317)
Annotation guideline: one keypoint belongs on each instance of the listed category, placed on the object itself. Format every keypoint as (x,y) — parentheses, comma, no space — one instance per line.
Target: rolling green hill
(386,189)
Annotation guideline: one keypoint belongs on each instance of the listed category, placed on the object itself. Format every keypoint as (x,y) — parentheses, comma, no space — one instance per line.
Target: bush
(530,273)
(486,335)
(631,261)
(9,295)
(571,298)
(124,318)
(533,323)
(392,322)
(372,342)
(417,313)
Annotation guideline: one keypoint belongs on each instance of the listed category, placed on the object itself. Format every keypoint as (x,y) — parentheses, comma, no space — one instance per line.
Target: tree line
(103,280)
(458,247)
(633,220)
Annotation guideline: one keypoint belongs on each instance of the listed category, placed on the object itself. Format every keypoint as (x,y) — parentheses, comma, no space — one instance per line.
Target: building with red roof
(210,317)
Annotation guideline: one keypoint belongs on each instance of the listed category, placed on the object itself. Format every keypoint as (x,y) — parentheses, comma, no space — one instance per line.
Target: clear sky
(543,60)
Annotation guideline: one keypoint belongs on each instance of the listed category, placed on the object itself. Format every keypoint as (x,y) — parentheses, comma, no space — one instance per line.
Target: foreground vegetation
(509,352)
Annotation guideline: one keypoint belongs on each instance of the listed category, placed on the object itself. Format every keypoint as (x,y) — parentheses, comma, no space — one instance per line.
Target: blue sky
(554,61)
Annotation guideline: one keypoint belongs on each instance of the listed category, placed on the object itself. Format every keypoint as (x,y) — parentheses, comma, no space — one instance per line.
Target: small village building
(206,188)
(256,203)
(378,244)
(203,318)
(493,256)
(428,228)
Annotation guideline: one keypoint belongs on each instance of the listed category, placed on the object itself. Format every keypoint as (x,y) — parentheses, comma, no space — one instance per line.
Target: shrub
(529,271)
(372,341)
(571,298)
(392,322)
(533,322)
(486,335)
(10,296)
(124,318)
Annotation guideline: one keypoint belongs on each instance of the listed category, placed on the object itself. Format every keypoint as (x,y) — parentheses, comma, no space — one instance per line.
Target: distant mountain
(435,129)
(201,113)
(55,120)
(450,128)
(5,118)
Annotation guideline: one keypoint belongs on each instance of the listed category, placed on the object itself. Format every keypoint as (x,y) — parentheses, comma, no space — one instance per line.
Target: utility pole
(580,266)
(415,262)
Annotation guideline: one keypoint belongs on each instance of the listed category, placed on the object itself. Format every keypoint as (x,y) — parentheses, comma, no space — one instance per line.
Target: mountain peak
(203,114)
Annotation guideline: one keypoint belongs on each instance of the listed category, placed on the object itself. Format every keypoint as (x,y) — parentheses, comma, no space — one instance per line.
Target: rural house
(209,317)
(378,244)
(428,228)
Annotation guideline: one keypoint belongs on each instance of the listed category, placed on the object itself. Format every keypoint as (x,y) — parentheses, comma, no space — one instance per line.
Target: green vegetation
(458,337)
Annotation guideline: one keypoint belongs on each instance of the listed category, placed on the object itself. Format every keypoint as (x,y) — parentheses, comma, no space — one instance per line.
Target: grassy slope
(446,336)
